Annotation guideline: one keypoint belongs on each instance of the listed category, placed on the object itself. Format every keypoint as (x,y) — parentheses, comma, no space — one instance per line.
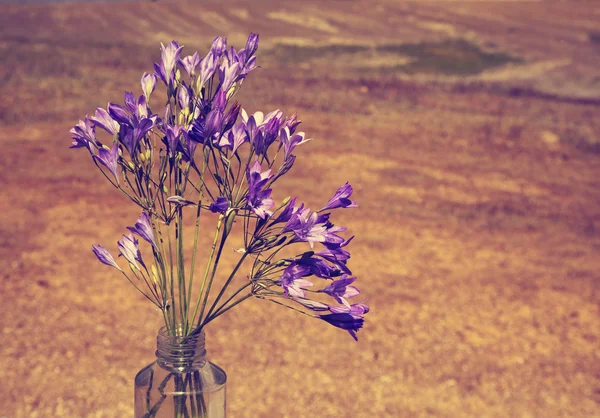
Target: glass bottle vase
(181,382)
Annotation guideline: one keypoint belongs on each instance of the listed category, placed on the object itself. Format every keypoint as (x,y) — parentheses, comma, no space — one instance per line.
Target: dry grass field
(471,134)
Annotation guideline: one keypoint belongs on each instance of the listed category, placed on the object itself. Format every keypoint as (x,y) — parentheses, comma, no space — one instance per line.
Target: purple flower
(104,256)
(292,282)
(130,102)
(84,135)
(287,212)
(228,74)
(128,247)
(345,321)
(235,137)
(311,228)
(169,57)
(334,253)
(259,200)
(118,113)
(148,83)
(213,124)
(260,203)
(251,44)
(356,309)
(143,228)
(218,47)
(292,123)
(105,121)
(318,267)
(341,199)
(183,97)
(231,116)
(190,63)
(256,178)
(312,304)
(172,133)
(290,141)
(219,206)
(341,289)
(141,108)
(208,66)
(109,159)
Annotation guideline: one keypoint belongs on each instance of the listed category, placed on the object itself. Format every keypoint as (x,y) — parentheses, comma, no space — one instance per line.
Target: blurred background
(471,134)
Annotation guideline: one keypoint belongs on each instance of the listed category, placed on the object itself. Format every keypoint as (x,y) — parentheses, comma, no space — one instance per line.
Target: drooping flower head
(109,158)
(143,228)
(104,256)
(292,282)
(341,199)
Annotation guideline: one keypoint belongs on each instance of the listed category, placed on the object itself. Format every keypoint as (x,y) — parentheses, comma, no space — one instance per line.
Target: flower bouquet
(196,153)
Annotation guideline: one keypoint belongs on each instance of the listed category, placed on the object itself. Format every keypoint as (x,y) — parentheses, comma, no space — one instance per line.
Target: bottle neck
(180,354)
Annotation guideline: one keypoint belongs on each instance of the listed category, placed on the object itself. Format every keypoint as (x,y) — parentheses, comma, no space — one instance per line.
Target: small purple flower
(213,124)
(218,47)
(219,102)
(105,121)
(143,228)
(219,206)
(236,136)
(118,113)
(84,135)
(311,228)
(172,135)
(183,97)
(256,178)
(190,63)
(169,57)
(334,253)
(356,309)
(104,256)
(290,141)
(148,83)
(251,44)
(260,203)
(292,123)
(109,159)
(231,116)
(341,199)
(341,290)
(292,282)
(313,305)
(130,102)
(128,247)
(287,212)
(208,66)
(344,321)
(318,267)
(228,74)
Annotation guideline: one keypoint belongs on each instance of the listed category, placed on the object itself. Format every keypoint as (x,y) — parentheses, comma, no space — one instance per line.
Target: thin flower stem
(217,312)
(229,279)
(138,289)
(214,269)
(237,302)
(202,286)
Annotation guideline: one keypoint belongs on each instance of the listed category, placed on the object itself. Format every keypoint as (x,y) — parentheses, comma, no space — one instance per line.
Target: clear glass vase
(181,382)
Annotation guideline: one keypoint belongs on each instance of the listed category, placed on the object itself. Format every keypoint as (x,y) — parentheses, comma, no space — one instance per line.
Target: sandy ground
(477,238)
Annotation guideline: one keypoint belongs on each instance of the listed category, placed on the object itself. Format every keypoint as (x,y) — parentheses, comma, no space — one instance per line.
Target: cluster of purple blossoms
(202,150)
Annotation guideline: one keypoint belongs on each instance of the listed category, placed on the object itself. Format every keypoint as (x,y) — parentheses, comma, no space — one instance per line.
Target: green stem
(217,312)
(237,302)
(210,257)
(229,279)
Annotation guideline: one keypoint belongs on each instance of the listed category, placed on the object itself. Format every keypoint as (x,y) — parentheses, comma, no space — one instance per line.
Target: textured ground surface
(478,236)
